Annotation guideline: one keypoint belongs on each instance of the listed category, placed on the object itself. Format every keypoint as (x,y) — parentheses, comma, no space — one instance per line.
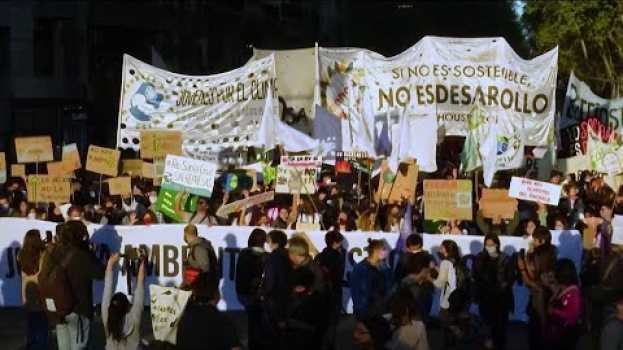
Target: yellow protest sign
(132,167)
(120,186)
(34,149)
(103,160)
(448,199)
(159,143)
(71,156)
(495,202)
(18,170)
(45,188)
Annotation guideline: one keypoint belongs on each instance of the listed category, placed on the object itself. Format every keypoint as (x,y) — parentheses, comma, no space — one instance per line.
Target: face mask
(492,251)
(267,248)
(153,199)
(32,216)
(92,194)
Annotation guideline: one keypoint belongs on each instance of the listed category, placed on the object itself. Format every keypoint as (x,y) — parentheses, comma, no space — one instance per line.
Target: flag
(416,138)
(327,130)
(480,149)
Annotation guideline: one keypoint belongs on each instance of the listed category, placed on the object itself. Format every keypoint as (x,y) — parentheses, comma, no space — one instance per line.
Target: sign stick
(99,197)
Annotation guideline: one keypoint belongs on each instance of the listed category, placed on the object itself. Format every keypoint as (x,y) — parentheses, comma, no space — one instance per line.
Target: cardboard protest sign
(153,171)
(2,168)
(159,143)
(132,167)
(46,188)
(103,160)
(18,170)
(120,186)
(71,156)
(392,188)
(34,149)
(495,203)
(448,199)
(167,307)
(536,191)
(59,168)
(243,204)
(291,179)
(189,175)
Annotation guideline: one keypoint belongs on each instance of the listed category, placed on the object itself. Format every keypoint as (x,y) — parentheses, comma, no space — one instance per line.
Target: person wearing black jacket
(332,260)
(249,271)
(274,290)
(494,278)
(82,267)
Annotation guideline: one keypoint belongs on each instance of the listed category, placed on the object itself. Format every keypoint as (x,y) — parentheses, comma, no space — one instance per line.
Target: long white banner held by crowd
(166,247)
(440,78)
(583,111)
(212,111)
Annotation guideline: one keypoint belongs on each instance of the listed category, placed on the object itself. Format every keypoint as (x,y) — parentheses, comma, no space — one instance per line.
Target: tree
(589,35)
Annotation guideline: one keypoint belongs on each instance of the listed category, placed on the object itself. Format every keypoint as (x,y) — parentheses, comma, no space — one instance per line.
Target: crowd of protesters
(294,300)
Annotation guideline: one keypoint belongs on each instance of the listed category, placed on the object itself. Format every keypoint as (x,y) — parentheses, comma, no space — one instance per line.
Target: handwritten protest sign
(532,190)
(34,149)
(71,156)
(167,307)
(18,170)
(448,199)
(103,160)
(59,168)
(243,204)
(160,143)
(2,168)
(46,188)
(189,175)
(132,167)
(296,179)
(402,184)
(120,186)
(495,203)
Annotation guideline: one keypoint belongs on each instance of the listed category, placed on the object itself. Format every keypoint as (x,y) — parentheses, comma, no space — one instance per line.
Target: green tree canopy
(589,34)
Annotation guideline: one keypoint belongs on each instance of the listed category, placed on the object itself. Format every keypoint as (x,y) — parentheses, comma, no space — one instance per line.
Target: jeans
(74,333)
(37,330)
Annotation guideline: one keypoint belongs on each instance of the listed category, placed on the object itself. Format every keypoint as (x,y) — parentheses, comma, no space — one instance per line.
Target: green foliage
(589,34)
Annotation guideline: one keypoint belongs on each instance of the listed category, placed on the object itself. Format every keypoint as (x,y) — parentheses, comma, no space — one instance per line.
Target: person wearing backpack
(201,270)
(66,283)
(122,320)
(30,257)
(494,277)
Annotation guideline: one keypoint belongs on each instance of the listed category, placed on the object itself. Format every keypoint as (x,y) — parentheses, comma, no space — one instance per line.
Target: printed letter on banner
(536,191)
(188,175)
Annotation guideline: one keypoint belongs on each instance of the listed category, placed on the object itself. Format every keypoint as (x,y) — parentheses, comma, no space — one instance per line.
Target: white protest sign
(245,203)
(536,191)
(167,307)
(188,175)
(617,230)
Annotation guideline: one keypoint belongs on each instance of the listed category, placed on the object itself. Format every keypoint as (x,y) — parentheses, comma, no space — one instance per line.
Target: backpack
(204,282)
(57,297)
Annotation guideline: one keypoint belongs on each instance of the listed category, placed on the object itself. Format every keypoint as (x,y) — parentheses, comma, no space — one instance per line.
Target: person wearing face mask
(493,275)
(370,282)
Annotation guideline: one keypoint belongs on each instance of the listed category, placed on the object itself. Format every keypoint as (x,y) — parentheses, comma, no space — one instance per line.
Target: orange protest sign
(495,202)
(103,160)
(120,186)
(34,149)
(448,199)
(71,156)
(159,143)
(18,170)
(45,188)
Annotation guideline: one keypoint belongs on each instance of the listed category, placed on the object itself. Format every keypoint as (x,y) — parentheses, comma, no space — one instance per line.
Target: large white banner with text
(165,246)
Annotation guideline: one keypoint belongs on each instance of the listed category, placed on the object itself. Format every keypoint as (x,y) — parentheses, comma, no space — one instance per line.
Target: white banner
(444,77)
(165,246)
(583,111)
(213,112)
(536,191)
(188,175)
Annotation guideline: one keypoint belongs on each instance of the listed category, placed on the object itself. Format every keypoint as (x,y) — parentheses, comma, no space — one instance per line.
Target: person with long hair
(493,274)
(565,307)
(446,279)
(409,332)
(122,320)
(369,282)
(29,258)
